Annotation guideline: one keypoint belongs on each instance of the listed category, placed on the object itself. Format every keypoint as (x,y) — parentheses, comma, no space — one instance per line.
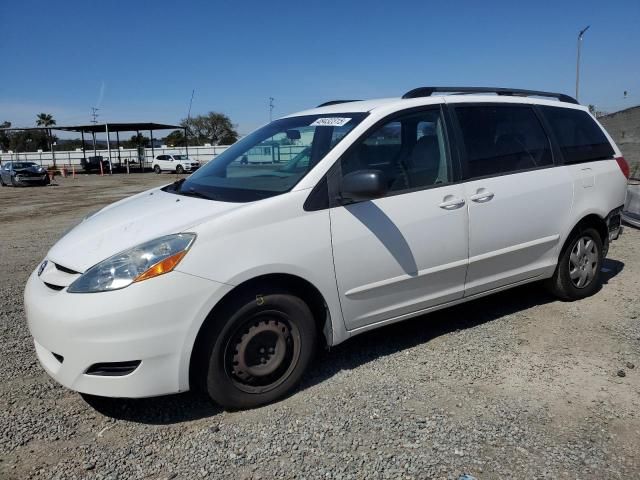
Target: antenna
(271,107)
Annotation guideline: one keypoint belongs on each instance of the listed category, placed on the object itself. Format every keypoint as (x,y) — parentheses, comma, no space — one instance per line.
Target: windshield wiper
(193,193)
(177,189)
(177,183)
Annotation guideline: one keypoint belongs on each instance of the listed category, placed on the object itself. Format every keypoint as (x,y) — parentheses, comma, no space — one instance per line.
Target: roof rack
(335,102)
(428,91)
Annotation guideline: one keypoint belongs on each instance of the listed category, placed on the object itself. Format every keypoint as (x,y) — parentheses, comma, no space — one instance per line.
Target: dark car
(23,173)
(93,163)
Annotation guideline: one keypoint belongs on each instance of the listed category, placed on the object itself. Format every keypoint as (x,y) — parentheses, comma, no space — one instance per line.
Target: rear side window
(578,135)
(502,139)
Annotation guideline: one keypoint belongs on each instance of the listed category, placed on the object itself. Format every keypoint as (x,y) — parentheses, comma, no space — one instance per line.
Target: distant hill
(624,127)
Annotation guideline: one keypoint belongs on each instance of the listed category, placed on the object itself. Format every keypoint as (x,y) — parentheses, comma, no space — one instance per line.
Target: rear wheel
(179,169)
(46,181)
(258,351)
(2,182)
(578,272)
(157,169)
(15,182)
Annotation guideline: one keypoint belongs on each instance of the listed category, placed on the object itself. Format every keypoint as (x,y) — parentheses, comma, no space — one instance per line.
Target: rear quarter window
(502,139)
(579,137)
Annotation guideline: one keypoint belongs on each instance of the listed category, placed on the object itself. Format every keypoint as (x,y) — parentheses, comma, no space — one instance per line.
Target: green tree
(47,120)
(175,139)
(214,128)
(27,140)
(138,140)
(4,136)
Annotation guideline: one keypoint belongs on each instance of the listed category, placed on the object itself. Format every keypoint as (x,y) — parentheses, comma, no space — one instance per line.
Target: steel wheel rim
(583,262)
(263,352)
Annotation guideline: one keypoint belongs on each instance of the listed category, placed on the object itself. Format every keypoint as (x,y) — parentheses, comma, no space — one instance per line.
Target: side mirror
(293,134)
(364,185)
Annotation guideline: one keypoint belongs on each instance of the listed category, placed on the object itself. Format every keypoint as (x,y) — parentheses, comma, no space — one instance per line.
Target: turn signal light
(162,267)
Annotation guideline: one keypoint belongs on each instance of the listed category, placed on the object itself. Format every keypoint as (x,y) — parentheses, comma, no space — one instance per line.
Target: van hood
(130,222)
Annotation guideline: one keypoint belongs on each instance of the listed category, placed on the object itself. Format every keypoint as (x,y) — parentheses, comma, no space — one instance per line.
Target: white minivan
(229,280)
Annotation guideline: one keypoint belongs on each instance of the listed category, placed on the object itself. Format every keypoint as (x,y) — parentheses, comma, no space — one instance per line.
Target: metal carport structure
(109,128)
(118,127)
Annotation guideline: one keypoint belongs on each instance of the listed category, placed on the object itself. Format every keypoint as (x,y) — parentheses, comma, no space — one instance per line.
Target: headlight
(139,263)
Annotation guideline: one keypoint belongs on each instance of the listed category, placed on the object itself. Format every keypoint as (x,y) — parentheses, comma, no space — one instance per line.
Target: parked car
(230,279)
(23,173)
(174,163)
(92,164)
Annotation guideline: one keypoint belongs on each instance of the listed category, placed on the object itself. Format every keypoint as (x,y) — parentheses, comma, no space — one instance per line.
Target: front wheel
(259,350)
(179,169)
(157,169)
(578,272)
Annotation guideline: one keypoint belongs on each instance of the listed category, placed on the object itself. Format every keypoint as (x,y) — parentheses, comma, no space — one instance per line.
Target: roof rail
(428,91)
(335,102)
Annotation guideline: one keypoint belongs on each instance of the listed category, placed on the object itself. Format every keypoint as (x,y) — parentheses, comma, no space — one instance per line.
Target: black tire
(578,272)
(157,169)
(15,183)
(179,169)
(2,184)
(46,181)
(256,350)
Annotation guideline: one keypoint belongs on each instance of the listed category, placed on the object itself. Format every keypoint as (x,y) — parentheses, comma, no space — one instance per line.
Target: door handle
(482,196)
(451,203)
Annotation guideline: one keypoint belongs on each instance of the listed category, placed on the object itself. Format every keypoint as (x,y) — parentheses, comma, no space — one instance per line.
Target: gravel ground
(517,385)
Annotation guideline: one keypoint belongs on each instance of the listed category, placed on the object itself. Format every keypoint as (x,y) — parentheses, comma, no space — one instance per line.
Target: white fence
(68,158)
(137,159)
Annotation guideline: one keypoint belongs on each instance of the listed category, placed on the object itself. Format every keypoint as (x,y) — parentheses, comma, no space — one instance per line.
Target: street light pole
(271,99)
(580,35)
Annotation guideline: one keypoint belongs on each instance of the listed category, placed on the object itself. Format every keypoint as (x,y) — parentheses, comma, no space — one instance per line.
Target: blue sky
(146,57)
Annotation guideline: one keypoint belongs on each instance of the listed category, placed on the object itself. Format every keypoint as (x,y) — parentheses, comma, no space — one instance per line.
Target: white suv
(230,279)
(174,163)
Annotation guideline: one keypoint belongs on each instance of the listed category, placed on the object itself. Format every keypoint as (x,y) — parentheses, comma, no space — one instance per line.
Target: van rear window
(578,135)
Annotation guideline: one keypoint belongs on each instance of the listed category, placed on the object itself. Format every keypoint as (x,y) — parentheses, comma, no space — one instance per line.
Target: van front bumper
(133,342)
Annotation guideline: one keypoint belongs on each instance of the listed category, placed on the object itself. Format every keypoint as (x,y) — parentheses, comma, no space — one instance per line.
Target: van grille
(65,269)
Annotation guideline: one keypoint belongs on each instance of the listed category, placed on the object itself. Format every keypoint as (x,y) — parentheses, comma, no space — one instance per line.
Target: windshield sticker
(330,122)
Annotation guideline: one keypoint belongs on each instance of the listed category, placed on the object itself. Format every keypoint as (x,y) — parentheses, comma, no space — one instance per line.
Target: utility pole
(580,35)
(271,106)
(186,128)
(94,120)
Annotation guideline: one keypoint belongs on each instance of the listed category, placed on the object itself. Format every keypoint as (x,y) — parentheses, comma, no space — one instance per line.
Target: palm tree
(47,120)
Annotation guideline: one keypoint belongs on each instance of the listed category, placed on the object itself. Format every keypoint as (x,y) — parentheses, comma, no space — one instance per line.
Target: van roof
(434,95)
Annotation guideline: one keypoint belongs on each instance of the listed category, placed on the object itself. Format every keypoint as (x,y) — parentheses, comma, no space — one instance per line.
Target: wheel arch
(591,220)
(287,282)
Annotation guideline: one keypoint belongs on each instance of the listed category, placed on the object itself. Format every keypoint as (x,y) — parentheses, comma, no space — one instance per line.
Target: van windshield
(269,161)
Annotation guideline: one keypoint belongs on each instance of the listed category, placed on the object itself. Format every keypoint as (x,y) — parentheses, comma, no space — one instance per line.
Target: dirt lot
(517,385)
